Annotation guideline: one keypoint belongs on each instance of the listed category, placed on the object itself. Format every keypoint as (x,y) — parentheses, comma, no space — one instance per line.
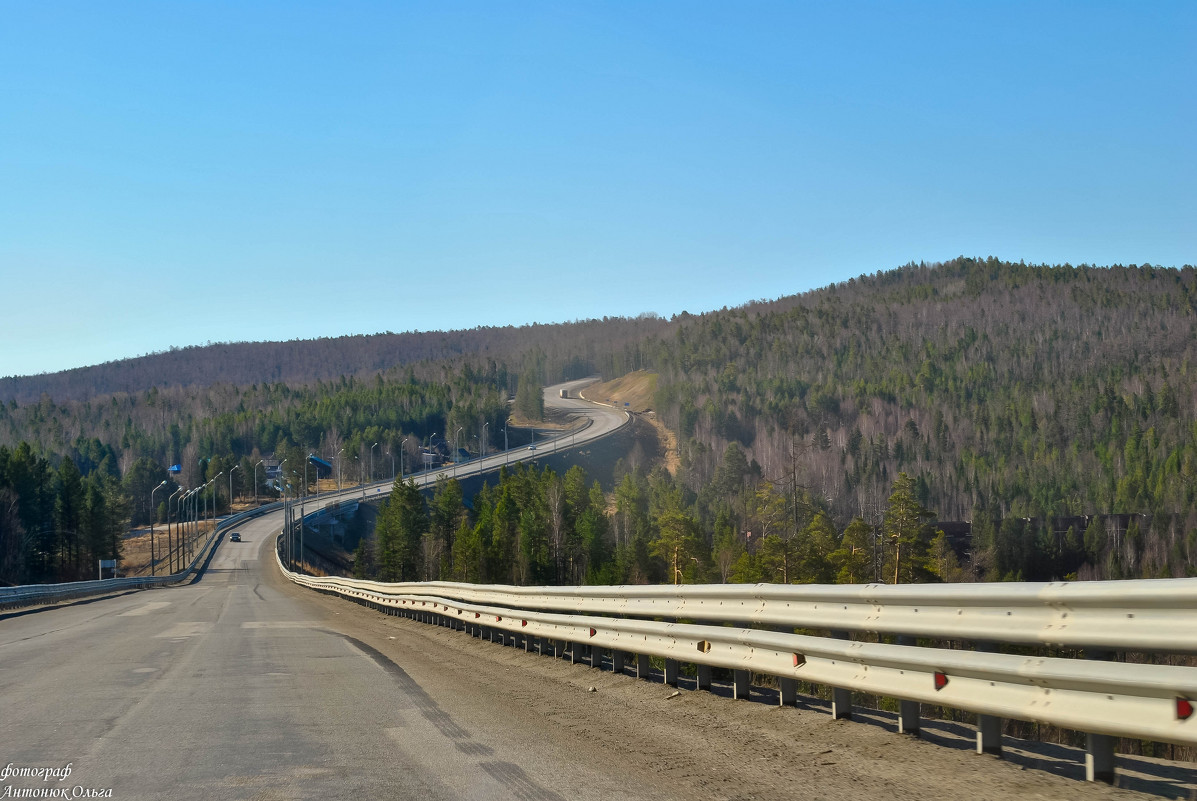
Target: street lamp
(506,448)
(428,452)
(340,469)
(303,500)
(388,453)
(153,514)
(216,496)
(402,448)
(456,449)
(236,466)
(260,461)
(169,542)
(193,496)
(484,427)
(372,447)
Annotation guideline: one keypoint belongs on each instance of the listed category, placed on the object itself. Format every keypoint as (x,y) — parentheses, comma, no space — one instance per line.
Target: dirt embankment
(636,390)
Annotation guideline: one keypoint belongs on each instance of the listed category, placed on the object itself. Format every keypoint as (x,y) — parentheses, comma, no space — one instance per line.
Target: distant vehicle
(531,447)
(235,537)
(565,393)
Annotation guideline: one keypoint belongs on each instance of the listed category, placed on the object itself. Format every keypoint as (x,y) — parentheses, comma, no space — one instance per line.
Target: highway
(242,685)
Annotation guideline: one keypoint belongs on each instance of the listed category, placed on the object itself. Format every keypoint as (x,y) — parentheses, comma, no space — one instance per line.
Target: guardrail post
(617,660)
(703,682)
(1100,762)
(558,649)
(741,685)
(644,666)
(908,711)
(989,728)
(787,688)
(671,672)
(575,653)
(841,699)
(596,657)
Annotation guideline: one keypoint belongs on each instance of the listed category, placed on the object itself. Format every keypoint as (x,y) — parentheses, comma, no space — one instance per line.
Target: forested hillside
(567,349)
(1022,390)
(1055,408)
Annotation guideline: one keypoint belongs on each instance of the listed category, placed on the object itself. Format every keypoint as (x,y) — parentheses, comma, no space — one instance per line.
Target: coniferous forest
(969,420)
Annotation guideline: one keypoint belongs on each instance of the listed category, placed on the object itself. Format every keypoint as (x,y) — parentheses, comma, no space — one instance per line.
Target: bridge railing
(910,643)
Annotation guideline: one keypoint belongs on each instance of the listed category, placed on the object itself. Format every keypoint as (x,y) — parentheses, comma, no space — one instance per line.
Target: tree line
(538,527)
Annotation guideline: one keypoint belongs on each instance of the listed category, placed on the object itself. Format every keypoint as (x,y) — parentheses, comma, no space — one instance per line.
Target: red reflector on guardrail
(799,660)
(1184,709)
(941,680)
(477,614)
(593,632)
(497,618)
(523,622)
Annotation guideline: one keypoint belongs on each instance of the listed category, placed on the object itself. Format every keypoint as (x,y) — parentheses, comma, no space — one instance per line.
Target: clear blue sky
(176,173)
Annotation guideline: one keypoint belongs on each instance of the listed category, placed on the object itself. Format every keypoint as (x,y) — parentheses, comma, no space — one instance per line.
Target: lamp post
(194,495)
(456,450)
(180,523)
(153,514)
(303,500)
(340,469)
(169,542)
(260,461)
(286,520)
(388,453)
(372,447)
(216,496)
(402,448)
(484,427)
(428,452)
(236,466)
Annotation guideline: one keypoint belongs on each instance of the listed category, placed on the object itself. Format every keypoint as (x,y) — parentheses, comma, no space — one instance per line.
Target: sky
(179,173)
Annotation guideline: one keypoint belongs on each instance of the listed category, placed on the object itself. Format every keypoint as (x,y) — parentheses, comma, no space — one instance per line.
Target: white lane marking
(279,624)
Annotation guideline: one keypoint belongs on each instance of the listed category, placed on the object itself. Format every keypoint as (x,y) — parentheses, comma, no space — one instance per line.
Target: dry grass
(135,555)
(637,390)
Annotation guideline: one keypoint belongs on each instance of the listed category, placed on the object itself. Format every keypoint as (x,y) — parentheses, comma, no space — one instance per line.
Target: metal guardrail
(1105,699)
(33,594)
(1150,615)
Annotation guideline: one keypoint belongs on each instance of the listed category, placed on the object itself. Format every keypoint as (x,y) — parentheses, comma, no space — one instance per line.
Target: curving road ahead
(244,686)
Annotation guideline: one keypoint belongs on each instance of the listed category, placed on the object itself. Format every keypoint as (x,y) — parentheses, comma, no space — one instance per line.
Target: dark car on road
(235,537)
